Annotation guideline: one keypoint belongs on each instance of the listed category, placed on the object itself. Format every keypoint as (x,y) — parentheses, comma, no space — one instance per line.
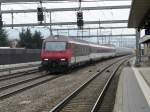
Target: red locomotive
(60,52)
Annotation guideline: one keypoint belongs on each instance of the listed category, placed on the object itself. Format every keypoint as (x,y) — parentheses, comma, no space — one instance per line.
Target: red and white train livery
(60,52)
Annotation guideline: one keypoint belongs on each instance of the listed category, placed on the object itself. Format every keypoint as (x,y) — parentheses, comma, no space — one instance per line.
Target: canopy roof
(139,12)
(145,39)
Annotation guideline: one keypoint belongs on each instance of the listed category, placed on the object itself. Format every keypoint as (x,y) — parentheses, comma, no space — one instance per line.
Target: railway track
(106,100)
(18,74)
(89,96)
(21,82)
(105,103)
(12,89)
(17,87)
(19,67)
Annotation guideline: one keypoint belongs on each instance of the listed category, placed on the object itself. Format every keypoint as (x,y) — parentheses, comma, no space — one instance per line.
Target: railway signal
(80,15)
(40,14)
(80,21)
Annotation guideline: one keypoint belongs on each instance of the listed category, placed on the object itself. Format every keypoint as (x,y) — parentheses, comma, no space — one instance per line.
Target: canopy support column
(138,48)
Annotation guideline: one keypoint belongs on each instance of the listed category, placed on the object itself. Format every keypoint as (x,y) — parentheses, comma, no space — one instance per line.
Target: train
(61,53)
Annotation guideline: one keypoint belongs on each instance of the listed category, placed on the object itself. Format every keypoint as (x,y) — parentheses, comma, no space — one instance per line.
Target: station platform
(133,93)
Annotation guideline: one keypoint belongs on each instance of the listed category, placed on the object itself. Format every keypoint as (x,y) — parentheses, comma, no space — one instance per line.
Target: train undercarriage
(54,65)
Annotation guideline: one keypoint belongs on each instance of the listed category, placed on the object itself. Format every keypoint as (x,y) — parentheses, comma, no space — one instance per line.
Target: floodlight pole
(79,5)
(40,3)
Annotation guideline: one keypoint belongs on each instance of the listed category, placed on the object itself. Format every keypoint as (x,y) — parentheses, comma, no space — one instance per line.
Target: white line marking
(143,85)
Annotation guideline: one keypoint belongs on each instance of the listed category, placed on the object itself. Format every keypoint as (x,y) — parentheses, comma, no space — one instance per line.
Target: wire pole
(79,5)
(97,37)
(51,32)
(12,19)
(82,33)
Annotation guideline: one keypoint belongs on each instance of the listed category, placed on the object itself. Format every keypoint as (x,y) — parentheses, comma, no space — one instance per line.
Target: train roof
(57,38)
(77,41)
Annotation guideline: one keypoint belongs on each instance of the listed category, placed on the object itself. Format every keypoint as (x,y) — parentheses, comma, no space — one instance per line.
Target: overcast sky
(121,14)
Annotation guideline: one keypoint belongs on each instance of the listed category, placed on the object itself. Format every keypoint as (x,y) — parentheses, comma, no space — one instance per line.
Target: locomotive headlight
(63,59)
(45,59)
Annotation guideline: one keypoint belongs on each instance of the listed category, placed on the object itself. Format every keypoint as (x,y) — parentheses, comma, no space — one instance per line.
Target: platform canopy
(139,14)
(145,39)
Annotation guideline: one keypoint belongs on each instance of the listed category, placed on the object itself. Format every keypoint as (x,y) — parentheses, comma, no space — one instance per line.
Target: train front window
(55,46)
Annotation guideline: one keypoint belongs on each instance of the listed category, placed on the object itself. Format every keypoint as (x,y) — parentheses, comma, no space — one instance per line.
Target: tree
(37,40)
(4,42)
(25,39)
(29,40)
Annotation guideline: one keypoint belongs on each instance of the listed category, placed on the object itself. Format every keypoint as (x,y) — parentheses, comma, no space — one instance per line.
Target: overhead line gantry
(92,28)
(125,35)
(65,23)
(68,9)
(21,1)
(51,10)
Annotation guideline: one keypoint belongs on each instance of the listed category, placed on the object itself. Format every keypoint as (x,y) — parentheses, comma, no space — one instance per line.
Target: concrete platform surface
(133,93)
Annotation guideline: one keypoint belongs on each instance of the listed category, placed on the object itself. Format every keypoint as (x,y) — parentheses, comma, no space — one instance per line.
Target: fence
(13,56)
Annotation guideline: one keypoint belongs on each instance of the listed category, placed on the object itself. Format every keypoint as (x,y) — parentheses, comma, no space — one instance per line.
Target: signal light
(40,16)
(80,21)
(79,15)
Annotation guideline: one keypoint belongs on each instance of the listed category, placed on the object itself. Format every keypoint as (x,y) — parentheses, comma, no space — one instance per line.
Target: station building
(145,40)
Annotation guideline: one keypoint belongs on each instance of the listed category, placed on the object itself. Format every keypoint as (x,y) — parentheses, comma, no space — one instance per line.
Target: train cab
(56,54)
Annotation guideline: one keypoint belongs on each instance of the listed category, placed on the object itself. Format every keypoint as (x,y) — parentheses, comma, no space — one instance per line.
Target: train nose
(53,64)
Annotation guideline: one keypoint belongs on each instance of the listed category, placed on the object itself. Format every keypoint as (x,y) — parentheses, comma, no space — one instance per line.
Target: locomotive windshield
(55,46)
